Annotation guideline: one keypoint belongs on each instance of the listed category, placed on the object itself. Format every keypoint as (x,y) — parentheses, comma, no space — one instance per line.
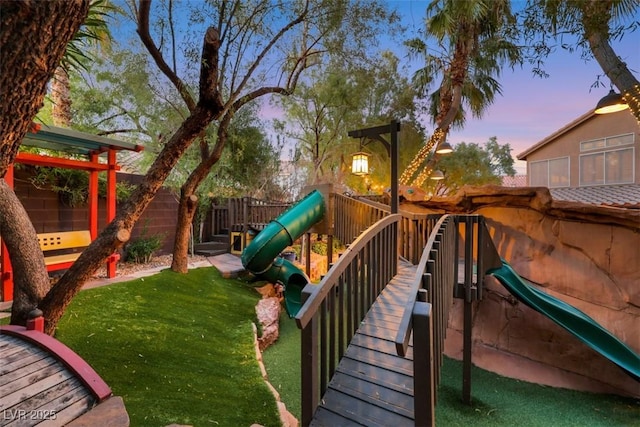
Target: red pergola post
(6,272)
(111,204)
(93,198)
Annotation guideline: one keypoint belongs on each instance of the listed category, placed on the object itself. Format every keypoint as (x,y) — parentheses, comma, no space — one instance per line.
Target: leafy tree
(472,164)
(587,26)
(264,46)
(467,44)
(341,97)
(247,28)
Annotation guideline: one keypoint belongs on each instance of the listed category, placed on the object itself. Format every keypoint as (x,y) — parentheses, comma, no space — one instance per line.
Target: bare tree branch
(147,40)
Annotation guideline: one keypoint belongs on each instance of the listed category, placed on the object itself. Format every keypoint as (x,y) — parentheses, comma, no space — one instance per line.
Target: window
(538,172)
(553,173)
(607,167)
(610,141)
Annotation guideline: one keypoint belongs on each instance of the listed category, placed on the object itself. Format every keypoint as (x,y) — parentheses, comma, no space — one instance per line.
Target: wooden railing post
(309,367)
(423,384)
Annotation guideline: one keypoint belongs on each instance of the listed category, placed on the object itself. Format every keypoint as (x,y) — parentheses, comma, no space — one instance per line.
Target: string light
(632,98)
(420,158)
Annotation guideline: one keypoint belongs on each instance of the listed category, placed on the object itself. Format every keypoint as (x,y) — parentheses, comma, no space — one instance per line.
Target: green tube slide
(570,318)
(261,257)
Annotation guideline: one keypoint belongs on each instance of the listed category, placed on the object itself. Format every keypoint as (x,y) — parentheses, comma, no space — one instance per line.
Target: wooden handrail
(404,329)
(352,216)
(317,293)
(427,314)
(331,311)
(435,285)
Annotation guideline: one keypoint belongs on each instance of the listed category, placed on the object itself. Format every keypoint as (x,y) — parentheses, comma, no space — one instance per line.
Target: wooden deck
(36,388)
(44,383)
(372,385)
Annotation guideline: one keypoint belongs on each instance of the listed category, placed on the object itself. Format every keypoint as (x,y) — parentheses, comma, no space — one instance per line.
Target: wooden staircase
(219,244)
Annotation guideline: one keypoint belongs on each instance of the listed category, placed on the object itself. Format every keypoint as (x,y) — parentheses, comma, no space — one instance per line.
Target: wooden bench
(44,383)
(63,241)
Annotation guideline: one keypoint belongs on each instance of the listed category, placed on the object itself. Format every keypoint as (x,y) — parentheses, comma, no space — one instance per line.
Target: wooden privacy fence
(332,310)
(458,252)
(241,213)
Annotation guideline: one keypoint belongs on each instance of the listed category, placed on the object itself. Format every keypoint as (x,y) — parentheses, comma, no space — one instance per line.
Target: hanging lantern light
(360,163)
(444,148)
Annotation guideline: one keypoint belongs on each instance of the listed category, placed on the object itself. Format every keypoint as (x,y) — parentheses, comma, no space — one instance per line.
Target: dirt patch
(128,268)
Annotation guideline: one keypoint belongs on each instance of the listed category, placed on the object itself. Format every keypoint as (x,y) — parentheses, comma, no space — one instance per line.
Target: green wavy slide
(261,256)
(570,318)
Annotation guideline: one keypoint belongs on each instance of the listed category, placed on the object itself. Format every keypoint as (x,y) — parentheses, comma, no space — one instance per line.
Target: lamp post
(375,134)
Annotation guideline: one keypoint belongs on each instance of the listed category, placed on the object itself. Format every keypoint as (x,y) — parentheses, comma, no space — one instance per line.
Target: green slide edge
(570,318)
(261,256)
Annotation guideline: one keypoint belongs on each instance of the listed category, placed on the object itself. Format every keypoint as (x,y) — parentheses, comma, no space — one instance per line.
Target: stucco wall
(567,143)
(591,265)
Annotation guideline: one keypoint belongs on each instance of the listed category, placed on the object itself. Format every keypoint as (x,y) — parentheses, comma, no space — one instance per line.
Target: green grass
(178,348)
(497,401)
(282,362)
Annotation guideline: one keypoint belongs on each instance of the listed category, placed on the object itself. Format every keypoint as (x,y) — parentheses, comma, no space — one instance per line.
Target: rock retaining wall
(585,255)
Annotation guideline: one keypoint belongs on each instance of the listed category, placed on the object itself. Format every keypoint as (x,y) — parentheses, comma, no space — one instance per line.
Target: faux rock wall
(588,257)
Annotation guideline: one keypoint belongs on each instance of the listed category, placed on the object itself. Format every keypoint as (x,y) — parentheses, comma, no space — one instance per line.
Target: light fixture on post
(436,175)
(611,103)
(360,163)
(374,134)
(444,148)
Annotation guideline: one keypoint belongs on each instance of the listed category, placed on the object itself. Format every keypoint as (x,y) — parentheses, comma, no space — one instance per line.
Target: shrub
(141,250)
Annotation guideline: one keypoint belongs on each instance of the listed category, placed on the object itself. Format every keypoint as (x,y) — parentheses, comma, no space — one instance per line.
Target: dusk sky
(531,108)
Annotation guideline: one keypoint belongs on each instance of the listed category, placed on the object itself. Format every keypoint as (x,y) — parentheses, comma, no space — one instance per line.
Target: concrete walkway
(229,266)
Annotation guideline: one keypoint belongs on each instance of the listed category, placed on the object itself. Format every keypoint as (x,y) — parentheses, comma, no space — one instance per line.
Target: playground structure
(261,256)
(61,246)
(370,265)
(458,257)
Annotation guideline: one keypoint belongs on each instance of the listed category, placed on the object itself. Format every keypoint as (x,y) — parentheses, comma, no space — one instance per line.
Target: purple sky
(531,107)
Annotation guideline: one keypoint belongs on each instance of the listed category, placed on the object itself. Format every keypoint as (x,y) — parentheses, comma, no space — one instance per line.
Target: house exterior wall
(567,145)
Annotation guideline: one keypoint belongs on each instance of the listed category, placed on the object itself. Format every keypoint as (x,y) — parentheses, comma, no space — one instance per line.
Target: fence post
(423,378)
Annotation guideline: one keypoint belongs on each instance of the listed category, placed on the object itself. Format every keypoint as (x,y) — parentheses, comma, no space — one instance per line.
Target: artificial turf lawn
(497,401)
(177,347)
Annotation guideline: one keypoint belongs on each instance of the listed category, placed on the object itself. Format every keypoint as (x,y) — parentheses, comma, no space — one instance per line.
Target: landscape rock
(268,313)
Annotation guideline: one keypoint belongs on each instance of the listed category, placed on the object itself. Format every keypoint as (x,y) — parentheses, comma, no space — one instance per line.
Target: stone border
(286,417)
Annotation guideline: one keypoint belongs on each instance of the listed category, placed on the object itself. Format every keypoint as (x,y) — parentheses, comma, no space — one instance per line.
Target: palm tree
(475,40)
(94,34)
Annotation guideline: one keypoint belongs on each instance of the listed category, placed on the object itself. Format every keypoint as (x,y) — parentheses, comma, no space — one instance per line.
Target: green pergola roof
(74,142)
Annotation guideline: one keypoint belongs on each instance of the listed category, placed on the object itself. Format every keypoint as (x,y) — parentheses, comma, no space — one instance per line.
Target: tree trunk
(187,208)
(616,69)
(61,98)
(31,281)
(186,212)
(36,34)
(118,231)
